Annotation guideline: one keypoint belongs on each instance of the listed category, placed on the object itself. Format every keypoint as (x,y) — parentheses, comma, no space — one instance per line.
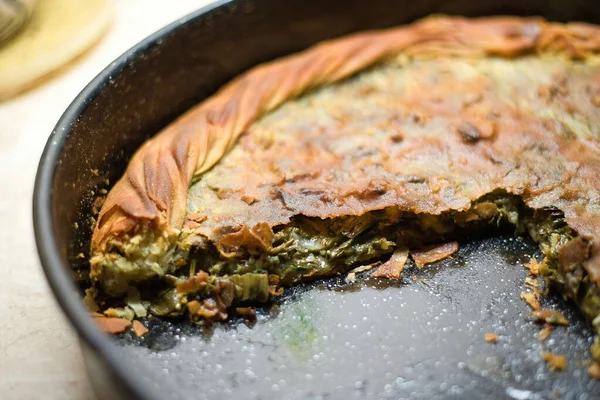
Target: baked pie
(361,150)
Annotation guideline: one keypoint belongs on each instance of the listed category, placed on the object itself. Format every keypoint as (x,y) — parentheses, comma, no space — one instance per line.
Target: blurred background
(49,50)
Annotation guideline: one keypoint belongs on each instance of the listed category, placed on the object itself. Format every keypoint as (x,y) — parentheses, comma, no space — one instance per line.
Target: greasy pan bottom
(420,338)
(413,339)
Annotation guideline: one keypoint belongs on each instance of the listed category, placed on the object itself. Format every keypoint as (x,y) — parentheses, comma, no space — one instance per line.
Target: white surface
(39,353)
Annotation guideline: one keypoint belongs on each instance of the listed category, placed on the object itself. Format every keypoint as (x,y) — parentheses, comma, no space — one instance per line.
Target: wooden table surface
(39,353)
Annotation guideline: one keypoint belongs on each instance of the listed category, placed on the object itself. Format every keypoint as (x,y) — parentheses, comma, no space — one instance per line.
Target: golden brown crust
(432,253)
(392,268)
(151,196)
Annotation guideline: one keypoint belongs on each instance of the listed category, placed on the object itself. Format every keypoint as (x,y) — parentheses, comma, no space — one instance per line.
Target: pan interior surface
(422,337)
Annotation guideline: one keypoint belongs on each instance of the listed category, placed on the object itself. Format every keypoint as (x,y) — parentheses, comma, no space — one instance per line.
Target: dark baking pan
(420,338)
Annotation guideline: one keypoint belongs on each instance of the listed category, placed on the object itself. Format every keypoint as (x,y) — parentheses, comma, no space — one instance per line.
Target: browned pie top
(449,115)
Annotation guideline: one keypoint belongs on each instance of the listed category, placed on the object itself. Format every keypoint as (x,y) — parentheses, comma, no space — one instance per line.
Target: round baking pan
(439,312)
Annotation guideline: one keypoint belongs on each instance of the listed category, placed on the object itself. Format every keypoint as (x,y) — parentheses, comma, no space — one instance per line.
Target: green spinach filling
(312,247)
(308,248)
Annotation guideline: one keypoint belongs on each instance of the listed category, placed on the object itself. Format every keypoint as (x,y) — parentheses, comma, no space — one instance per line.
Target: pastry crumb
(594,370)
(112,325)
(556,362)
(531,282)
(139,329)
(534,266)
(392,269)
(550,316)
(433,253)
(364,268)
(531,301)
(545,333)
(350,278)
(491,338)
(248,312)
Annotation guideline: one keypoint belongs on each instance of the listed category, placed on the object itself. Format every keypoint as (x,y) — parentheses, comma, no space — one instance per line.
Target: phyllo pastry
(361,150)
